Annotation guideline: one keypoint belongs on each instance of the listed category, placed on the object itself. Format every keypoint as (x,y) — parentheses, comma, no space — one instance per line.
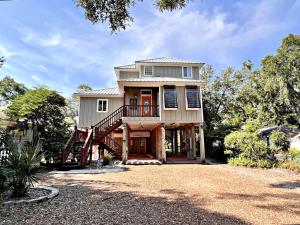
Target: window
(192,97)
(170,97)
(148,71)
(102,105)
(187,72)
(133,103)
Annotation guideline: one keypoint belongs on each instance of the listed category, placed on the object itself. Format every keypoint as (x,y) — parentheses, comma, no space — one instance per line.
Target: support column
(125,144)
(172,143)
(187,142)
(202,145)
(176,141)
(193,134)
(163,138)
(180,139)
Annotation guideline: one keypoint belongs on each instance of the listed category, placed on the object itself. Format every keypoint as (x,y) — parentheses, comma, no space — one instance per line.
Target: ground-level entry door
(146,105)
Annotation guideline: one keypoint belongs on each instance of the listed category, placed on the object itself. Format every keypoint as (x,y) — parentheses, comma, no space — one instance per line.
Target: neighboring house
(292,134)
(156,107)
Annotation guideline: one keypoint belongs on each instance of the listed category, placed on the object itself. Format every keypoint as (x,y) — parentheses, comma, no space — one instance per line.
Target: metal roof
(131,66)
(159,60)
(168,60)
(104,91)
(160,79)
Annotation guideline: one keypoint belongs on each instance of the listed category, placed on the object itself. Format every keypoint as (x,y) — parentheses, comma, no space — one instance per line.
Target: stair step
(143,162)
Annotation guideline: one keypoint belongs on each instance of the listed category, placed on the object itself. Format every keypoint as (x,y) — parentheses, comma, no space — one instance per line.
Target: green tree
(10,89)
(279,85)
(44,108)
(2,60)
(72,106)
(228,101)
(279,141)
(116,12)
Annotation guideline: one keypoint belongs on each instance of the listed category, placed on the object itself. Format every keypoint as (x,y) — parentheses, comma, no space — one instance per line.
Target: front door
(143,145)
(146,105)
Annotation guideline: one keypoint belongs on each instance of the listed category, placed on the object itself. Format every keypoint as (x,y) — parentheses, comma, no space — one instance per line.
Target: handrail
(141,110)
(85,148)
(115,146)
(75,136)
(68,146)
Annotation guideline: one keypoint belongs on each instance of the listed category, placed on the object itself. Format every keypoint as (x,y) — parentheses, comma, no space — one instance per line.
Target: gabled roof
(167,60)
(131,66)
(160,79)
(113,92)
(158,60)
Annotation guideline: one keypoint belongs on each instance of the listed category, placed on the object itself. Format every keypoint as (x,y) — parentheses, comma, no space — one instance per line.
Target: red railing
(110,121)
(114,146)
(141,111)
(76,135)
(85,148)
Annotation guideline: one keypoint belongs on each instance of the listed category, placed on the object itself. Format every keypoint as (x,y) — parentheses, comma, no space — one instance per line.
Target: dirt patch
(167,194)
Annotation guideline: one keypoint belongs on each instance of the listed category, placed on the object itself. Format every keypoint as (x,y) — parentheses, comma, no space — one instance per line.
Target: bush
(295,153)
(250,163)
(107,157)
(292,160)
(21,163)
(279,140)
(3,182)
(246,145)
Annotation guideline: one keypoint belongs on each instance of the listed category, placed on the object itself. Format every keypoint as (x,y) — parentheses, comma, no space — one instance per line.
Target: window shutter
(170,97)
(193,97)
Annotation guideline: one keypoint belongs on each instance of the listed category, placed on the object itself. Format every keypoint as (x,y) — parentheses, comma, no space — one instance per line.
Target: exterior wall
(88,115)
(128,74)
(171,71)
(181,114)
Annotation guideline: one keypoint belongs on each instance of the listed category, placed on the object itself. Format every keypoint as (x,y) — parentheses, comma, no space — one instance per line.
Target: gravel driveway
(167,194)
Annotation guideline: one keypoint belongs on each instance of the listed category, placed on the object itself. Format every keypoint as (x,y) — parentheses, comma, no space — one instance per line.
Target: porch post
(125,144)
(163,150)
(176,141)
(180,139)
(193,143)
(202,145)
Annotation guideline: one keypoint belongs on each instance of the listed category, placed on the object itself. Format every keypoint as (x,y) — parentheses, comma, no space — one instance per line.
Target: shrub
(3,182)
(250,163)
(279,140)
(21,163)
(241,162)
(295,153)
(107,157)
(246,145)
(292,162)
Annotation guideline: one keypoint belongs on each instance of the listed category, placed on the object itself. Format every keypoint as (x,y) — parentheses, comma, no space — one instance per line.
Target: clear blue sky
(51,43)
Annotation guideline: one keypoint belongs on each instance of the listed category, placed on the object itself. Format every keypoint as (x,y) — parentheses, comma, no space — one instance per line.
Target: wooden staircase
(78,148)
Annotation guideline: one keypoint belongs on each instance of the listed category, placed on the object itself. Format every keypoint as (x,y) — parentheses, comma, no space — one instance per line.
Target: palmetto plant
(21,164)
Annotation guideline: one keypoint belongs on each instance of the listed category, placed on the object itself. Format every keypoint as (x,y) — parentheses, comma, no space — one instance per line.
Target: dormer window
(187,72)
(148,70)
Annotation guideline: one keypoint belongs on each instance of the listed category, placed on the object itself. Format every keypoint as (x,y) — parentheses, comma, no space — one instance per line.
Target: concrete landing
(143,162)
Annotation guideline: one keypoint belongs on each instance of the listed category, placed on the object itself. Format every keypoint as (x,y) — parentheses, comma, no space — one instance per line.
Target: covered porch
(164,142)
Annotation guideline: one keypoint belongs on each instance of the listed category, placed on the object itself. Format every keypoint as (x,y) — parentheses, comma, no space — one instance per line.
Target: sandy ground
(167,194)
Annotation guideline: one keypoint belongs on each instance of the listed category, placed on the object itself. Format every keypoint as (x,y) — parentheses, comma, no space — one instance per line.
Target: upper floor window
(102,105)
(193,97)
(187,72)
(170,97)
(148,70)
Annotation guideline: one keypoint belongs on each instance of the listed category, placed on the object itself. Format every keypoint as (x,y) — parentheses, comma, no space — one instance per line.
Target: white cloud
(62,56)
(52,41)
(36,78)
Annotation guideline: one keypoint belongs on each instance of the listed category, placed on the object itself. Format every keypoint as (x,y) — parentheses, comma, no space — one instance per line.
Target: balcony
(141,110)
